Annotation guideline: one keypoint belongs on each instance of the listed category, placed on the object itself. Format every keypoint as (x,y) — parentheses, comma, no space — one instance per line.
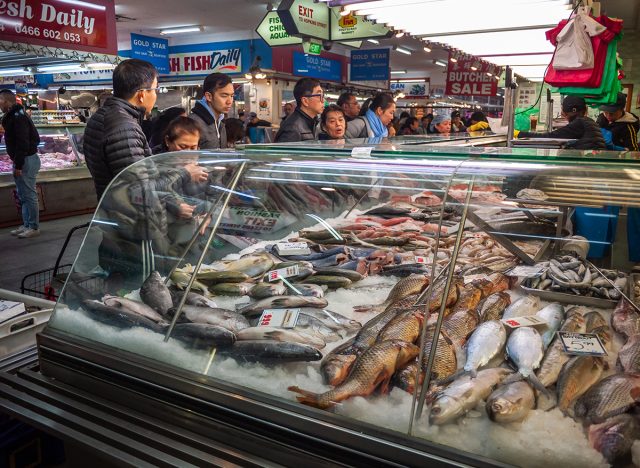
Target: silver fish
(332,319)
(263,290)
(464,394)
(133,306)
(253,265)
(484,344)
(281,302)
(524,306)
(280,334)
(221,317)
(524,348)
(511,402)
(155,293)
(553,314)
(314,290)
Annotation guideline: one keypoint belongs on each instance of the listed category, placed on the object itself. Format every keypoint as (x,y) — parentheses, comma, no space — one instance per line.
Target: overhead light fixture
(373,41)
(60,68)
(345,12)
(489,74)
(427,49)
(440,63)
(100,66)
(402,50)
(400,34)
(453,59)
(185,29)
(398,72)
(15,71)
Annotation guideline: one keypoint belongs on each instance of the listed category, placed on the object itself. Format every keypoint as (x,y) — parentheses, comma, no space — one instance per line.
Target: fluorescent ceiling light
(408,15)
(84,4)
(402,50)
(499,43)
(530,59)
(427,49)
(441,63)
(185,29)
(410,80)
(398,72)
(71,67)
(374,41)
(529,71)
(100,66)
(14,71)
(400,34)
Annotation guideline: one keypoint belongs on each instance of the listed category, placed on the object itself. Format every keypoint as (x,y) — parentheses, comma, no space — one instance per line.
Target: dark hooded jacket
(624,131)
(213,135)
(21,136)
(583,129)
(297,127)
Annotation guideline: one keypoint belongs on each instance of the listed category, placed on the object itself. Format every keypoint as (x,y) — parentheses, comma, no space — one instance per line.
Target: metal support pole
(511,84)
(214,228)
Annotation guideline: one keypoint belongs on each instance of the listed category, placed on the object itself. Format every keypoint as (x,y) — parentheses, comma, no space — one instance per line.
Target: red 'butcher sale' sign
(463,81)
(86,25)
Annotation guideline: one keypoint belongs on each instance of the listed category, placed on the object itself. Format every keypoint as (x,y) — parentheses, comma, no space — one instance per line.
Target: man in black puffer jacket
(580,127)
(302,123)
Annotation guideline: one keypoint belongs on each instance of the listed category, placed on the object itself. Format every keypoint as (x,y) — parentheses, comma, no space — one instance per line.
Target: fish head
(337,368)
(501,409)
(445,409)
(406,352)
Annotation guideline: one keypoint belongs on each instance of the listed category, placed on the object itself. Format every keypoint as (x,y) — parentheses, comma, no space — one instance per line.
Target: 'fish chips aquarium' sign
(203,63)
(463,80)
(88,25)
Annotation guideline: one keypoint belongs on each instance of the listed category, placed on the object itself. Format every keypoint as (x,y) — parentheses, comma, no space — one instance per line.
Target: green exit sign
(313,48)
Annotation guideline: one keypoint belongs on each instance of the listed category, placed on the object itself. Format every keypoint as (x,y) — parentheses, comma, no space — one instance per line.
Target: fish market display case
(65,186)
(427,311)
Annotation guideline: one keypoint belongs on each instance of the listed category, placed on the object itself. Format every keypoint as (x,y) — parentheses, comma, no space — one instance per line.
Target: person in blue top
(376,119)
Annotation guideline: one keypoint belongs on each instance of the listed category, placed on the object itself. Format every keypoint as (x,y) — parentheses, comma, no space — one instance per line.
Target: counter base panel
(221,414)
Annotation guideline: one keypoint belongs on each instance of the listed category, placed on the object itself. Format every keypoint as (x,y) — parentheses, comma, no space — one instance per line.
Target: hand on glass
(185,211)
(197,173)
(205,225)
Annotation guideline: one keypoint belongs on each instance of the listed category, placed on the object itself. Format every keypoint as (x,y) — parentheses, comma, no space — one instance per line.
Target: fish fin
(546,402)
(513,378)
(635,393)
(384,385)
(367,308)
(308,398)
(451,378)
(533,380)
(275,335)
(474,414)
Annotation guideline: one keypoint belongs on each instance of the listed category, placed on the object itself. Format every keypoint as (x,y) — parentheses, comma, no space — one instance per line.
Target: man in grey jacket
(209,111)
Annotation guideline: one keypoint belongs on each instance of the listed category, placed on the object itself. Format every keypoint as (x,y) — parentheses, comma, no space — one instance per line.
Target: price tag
(274,275)
(361,152)
(527,271)
(283,318)
(50,118)
(527,321)
(582,344)
(293,248)
(421,260)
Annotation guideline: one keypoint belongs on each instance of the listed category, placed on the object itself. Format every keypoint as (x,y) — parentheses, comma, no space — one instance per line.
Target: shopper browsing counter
(332,123)
(209,111)
(376,119)
(440,124)
(301,125)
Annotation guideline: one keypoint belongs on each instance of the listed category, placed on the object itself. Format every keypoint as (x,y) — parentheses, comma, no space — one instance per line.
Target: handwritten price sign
(582,344)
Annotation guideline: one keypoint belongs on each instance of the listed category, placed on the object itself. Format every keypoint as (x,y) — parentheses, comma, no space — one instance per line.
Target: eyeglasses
(320,95)
(157,90)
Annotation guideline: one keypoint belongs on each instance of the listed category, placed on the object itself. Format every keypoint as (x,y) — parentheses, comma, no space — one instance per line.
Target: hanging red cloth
(591,77)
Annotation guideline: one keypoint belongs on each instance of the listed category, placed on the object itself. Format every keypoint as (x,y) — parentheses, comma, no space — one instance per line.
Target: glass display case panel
(58,149)
(325,280)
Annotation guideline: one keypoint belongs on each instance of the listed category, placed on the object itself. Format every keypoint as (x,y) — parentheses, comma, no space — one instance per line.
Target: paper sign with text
(275,275)
(582,344)
(527,321)
(283,318)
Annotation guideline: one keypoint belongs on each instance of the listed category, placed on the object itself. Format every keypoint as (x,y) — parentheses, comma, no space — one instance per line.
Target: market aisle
(23,256)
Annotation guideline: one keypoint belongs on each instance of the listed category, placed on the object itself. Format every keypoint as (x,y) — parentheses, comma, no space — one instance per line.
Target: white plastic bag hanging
(574,50)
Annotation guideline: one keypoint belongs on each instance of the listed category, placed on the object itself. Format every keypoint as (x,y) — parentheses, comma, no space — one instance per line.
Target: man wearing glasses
(114,138)
(302,124)
(209,111)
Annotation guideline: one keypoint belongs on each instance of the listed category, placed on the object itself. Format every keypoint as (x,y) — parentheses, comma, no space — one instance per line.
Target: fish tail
(533,380)
(515,378)
(309,398)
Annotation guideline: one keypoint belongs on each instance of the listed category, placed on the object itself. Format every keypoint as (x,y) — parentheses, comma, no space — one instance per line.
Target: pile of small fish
(384,351)
(636,289)
(571,275)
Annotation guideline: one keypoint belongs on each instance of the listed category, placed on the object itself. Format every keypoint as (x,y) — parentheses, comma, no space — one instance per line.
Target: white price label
(293,248)
(526,271)
(283,318)
(274,275)
(362,151)
(527,321)
(582,344)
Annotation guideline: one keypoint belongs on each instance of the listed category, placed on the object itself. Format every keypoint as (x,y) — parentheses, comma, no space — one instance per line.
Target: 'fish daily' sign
(274,275)
(88,25)
(582,344)
(283,318)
